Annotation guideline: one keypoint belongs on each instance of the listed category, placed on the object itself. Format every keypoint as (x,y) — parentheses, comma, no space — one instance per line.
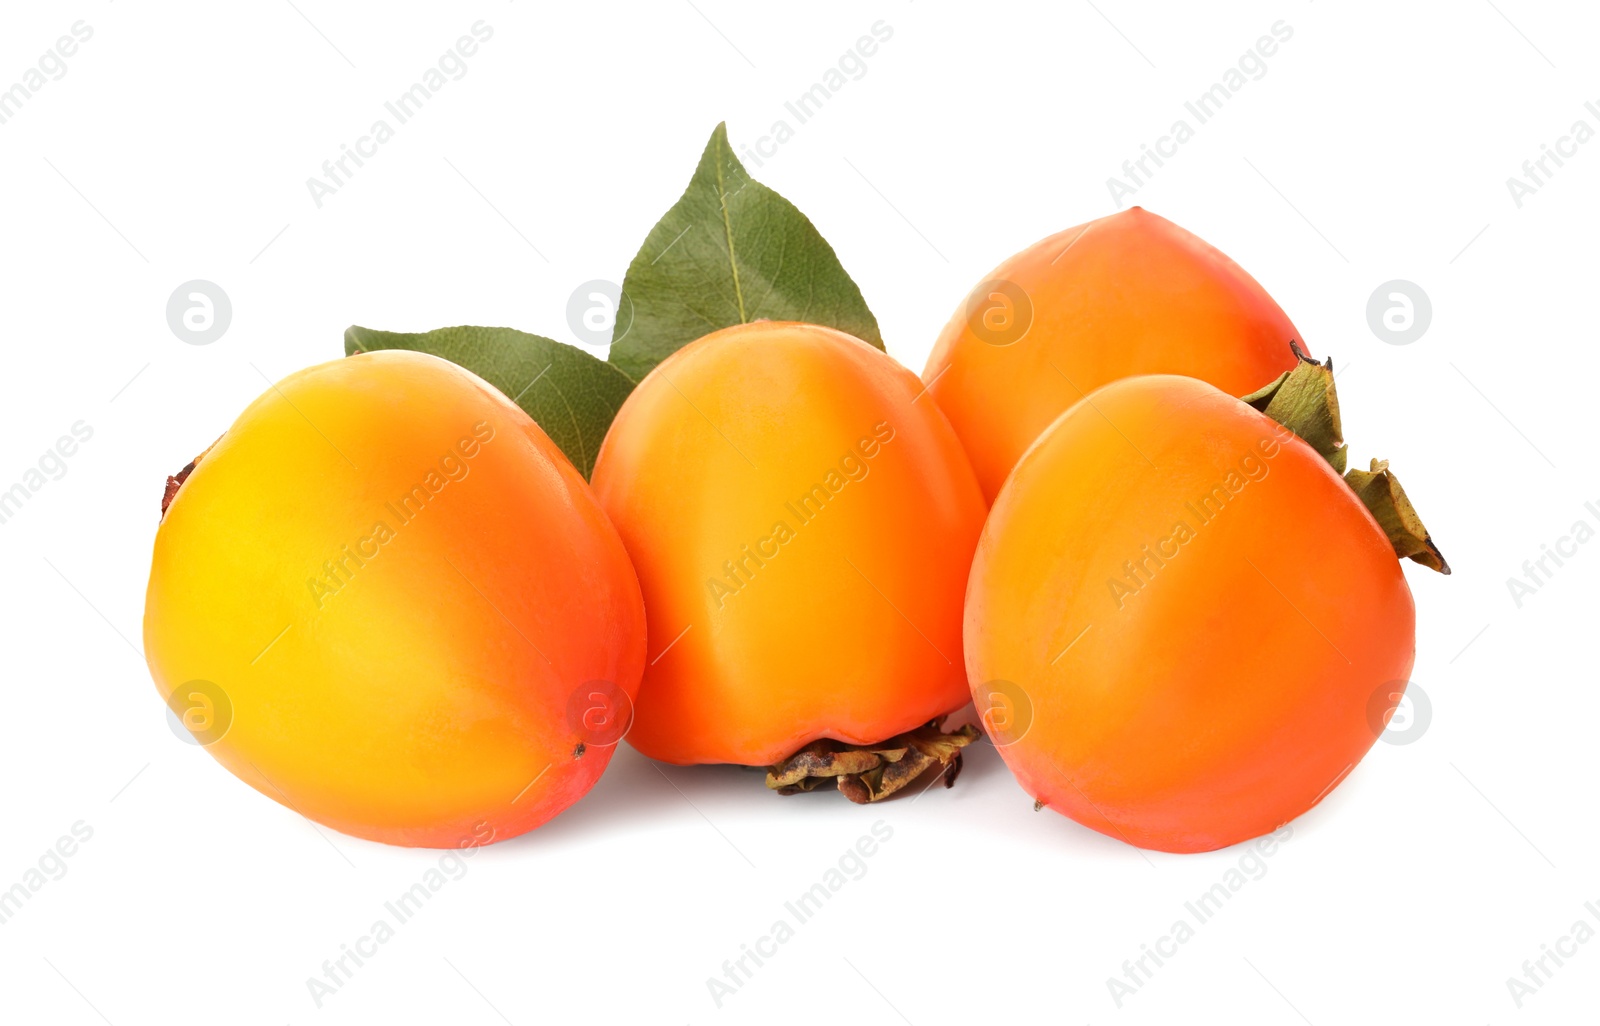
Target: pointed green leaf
(571,395)
(731,251)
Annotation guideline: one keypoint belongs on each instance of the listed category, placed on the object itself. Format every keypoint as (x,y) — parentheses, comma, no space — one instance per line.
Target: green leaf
(571,395)
(731,251)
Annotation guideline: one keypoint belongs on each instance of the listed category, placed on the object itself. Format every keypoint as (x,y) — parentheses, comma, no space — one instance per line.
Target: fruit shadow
(639,791)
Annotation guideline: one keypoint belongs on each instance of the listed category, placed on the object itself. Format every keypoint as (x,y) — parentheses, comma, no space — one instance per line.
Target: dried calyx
(1304,401)
(870,773)
(175,481)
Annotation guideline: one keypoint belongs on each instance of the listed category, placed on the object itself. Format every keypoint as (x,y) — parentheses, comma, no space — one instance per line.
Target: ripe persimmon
(1179,612)
(386,600)
(802,521)
(1131,293)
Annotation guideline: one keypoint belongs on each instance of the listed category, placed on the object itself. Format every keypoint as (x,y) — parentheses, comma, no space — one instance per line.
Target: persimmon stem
(871,773)
(1380,490)
(1304,401)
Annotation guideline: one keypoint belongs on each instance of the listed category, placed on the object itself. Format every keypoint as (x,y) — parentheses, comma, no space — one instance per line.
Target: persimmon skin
(427,699)
(851,628)
(1127,294)
(1230,691)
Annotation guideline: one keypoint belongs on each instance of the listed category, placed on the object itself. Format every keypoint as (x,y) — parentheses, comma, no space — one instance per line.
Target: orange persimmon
(386,600)
(802,524)
(1127,294)
(1179,614)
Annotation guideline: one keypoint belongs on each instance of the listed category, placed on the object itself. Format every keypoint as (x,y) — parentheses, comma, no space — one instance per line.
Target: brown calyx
(175,481)
(871,773)
(1304,401)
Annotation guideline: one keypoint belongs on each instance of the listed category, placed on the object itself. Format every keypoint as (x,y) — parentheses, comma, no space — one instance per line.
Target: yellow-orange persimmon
(802,520)
(385,599)
(1127,294)
(1181,618)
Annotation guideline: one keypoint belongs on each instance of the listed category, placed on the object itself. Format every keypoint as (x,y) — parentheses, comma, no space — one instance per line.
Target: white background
(1376,147)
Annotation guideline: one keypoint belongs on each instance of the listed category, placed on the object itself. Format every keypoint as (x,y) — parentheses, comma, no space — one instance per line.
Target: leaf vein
(727,229)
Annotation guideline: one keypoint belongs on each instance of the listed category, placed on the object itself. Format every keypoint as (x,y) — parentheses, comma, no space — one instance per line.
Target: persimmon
(1180,613)
(386,600)
(1127,294)
(802,520)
